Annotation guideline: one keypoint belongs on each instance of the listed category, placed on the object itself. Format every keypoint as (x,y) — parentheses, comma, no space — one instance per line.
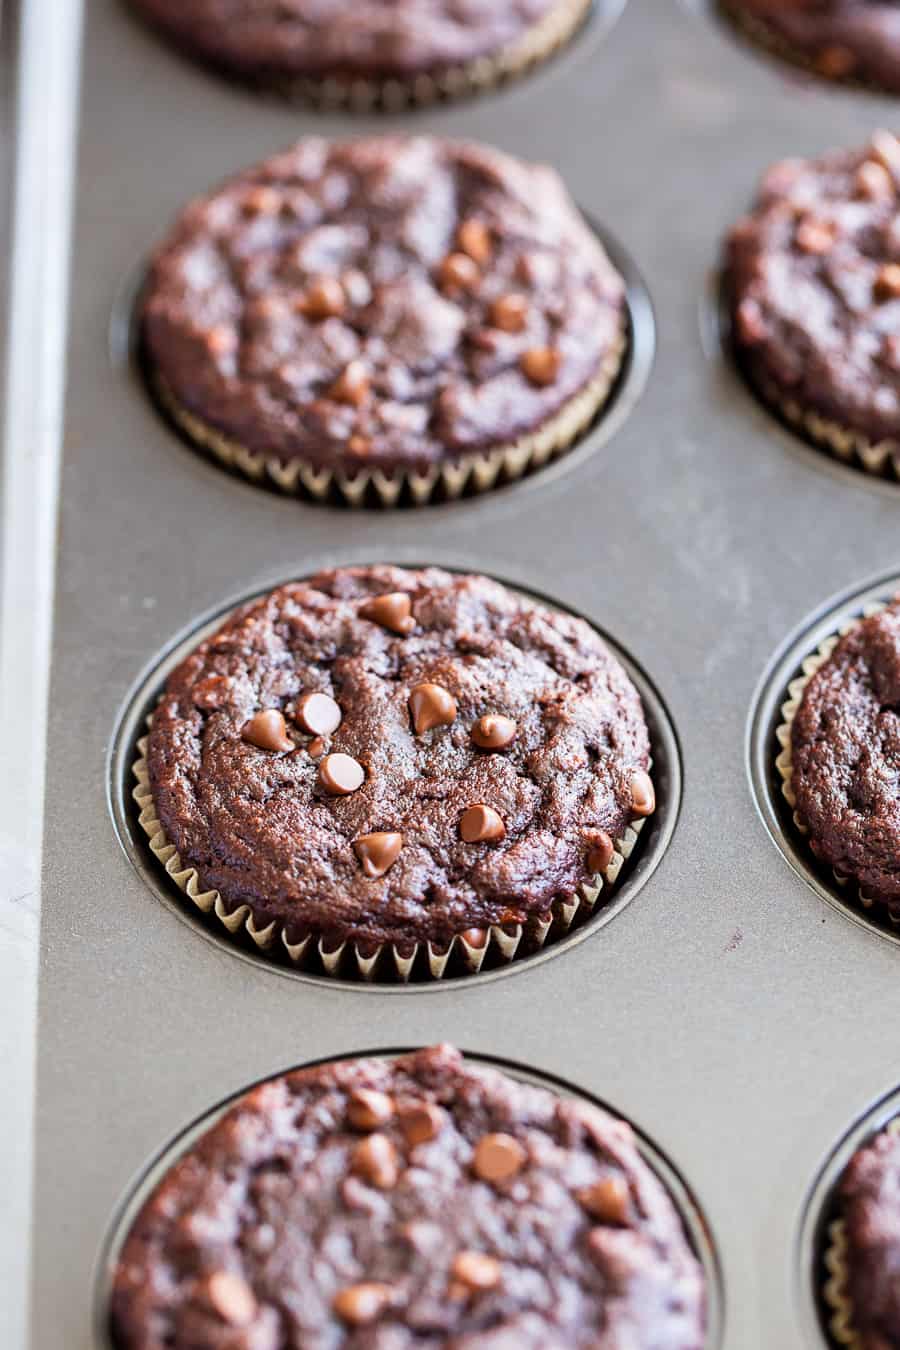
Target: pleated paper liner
(784,760)
(772,43)
(880,458)
(469,474)
(836,1290)
(467,952)
(358,94)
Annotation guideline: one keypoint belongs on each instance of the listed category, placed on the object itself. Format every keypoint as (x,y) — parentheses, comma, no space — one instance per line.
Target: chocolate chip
(367,1110)
(262,201)
(221,341)
(494,732)
(268,731)
(815,236)
(316,746)
(474,238)
(600,851)
(325,299)
(886,149)
(340,775)
(393,611)
(607,1199)
(458,273)
(212,692)
(481,825)
(476,1271)
(431,706)
(887,282)
(509,312)
(231,1297)
(873,181)
(352,385)
(360,1304)
(318,714)
(377,852)
(835,61)
(540,365)
(643,795)
(375,1160)
(498,1157)
(420,1121)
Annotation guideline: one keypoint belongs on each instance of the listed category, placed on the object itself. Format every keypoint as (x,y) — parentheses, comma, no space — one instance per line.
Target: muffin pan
(730,1010)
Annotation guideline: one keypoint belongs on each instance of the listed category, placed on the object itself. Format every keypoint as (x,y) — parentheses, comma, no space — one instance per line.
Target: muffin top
(842,39)
(396,755)
(845,742)
(870,1201)
(384,303)
(380,1205)
(814,278)
(366,40)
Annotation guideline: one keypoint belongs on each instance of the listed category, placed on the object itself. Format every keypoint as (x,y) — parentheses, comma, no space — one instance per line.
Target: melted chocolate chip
(268,731)
(340,775)
(481,824)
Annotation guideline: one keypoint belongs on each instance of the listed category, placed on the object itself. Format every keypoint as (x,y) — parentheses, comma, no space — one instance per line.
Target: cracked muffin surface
(814,287)
(840,39)
(845,746)
(384,304)
(424,1201)
(272,39)
(394,756)
(870,1206)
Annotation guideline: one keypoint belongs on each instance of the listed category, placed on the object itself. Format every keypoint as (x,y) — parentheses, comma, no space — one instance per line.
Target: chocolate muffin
(386,314)
(865,1247)
(384,757)
(414,1202)
(857,40)
(844,752)
(814,287)
(368,53)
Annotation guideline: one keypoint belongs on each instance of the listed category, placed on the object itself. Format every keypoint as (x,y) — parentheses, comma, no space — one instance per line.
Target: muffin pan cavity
(820,1240)
(474,477)
(490,953)
(766,741)
(695,1223)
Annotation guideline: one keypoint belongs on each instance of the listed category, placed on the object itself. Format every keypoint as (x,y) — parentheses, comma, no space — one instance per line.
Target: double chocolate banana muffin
(855,40)
(382,1205)
(387,314)
(863,1260)
(369,51)
(813,277)
(845,753)
(396,757)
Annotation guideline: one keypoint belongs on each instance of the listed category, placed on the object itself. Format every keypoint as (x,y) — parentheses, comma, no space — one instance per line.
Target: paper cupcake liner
(465,953)
(537,44)
(852,447)
(784,760)
(836,1289)
(773,44)
(475,472)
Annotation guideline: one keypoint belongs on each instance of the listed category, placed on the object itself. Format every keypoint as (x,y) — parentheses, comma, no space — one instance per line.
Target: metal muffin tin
(729,1011)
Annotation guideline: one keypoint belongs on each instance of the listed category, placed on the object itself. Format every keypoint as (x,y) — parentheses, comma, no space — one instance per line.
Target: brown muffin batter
(383,304)
(400,804)
(374,1205)
(846,756)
